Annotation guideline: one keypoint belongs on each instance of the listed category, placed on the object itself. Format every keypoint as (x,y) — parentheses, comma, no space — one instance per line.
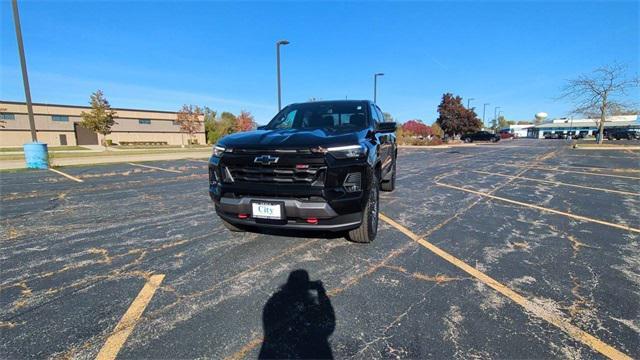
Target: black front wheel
(368,229)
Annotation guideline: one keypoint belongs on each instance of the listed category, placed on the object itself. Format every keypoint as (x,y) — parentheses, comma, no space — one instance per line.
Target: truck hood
(289,139)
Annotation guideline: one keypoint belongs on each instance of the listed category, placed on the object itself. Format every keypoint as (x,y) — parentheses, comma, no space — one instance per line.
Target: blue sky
(160,55)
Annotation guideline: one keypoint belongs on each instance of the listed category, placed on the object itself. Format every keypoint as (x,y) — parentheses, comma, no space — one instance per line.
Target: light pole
(484,111)
(278,43)
(469,102)
(23,64)
(495,115)
(375,86)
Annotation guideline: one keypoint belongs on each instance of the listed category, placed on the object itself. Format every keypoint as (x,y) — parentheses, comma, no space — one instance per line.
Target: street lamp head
(379,74)
(283,42)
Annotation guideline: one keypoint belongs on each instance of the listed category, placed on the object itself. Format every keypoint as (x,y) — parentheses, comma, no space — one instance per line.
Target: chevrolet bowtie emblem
(266,159)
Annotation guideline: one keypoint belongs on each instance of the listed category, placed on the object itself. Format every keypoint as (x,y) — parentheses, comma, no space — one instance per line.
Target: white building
(518,131)
(585,127)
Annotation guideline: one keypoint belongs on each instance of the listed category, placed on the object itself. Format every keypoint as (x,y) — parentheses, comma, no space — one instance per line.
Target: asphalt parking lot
(523,249)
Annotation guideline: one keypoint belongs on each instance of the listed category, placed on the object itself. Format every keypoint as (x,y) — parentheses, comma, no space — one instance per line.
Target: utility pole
(495,116)
(278,44)
(484,111)
(375,86)
(23,65)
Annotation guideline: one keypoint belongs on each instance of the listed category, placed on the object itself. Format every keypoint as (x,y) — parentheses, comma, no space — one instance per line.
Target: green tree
(437,130)
(209,122)
(503,123)
(100,118)
(219,127)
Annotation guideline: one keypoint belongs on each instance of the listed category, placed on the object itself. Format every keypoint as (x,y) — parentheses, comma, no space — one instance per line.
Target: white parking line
(568,171)
(66,175)
(541,208)
(558,183)
(156,168)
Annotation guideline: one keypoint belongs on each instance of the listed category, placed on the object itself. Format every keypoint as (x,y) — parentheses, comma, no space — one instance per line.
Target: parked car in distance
(316,166)
(618,134)
(554,135)
(506,135)
(480,136)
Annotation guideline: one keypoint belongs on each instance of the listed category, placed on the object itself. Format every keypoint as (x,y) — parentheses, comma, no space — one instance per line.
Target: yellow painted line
(534,309)
(129,320)
(156,168)
(544,209)
(558,183)
(66,175)
(569,171)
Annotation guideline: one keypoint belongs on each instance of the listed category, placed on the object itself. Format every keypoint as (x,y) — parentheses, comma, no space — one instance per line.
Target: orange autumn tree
(245,121)
(188,118)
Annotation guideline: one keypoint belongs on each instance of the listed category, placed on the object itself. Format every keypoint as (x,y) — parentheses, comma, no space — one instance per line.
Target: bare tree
(599,94)
(188,118)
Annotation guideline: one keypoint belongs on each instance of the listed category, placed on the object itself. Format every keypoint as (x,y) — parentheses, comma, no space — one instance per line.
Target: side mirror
(386,127)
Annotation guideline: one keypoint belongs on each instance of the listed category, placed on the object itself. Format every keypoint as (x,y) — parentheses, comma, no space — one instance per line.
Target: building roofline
(86,107)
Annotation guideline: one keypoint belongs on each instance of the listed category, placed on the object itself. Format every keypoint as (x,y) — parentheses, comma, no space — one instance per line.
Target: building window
(144,121)
(7,116)
(63,139)
(62,118)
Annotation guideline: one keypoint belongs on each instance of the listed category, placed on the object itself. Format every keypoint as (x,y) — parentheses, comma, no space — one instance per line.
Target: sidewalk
(91,160)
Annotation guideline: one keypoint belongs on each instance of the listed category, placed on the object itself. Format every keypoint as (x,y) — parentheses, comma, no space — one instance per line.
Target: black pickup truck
(315,166)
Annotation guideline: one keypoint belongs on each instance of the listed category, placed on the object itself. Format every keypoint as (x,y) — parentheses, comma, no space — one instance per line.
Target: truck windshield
(339,116)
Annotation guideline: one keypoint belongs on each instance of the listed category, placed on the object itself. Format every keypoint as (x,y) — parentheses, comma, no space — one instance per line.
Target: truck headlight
(218,150)
(347,152)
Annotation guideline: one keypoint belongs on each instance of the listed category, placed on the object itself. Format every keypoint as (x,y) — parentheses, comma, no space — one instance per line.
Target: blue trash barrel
(36,155)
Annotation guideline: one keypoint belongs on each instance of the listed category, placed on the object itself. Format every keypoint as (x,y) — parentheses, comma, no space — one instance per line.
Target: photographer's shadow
(298,320)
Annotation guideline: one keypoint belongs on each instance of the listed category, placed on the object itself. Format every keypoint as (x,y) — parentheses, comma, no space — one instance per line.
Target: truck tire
(230,226)
(368,229)
(390,185)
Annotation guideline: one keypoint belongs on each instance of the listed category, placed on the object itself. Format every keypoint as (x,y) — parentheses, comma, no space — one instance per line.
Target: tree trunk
(603,112)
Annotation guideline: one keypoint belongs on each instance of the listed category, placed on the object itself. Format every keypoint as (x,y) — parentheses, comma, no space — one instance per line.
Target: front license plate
(262,210)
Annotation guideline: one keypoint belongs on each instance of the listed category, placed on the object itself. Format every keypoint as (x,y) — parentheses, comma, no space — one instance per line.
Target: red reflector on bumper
(312,220)
(243,216)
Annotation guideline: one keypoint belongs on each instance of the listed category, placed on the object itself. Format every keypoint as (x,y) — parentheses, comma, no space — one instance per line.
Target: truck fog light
(353,182)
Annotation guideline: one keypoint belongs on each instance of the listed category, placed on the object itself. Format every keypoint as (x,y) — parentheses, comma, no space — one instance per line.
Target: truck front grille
(310,174)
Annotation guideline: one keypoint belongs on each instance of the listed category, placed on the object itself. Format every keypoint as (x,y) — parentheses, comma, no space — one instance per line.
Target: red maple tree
(417,127)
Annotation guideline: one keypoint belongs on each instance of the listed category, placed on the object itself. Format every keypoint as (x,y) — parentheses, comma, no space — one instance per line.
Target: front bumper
(295,213)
